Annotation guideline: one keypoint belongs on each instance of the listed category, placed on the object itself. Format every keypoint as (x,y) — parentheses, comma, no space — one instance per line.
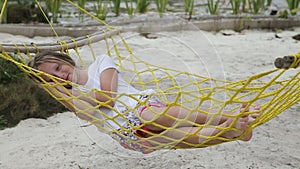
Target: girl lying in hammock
(157,121)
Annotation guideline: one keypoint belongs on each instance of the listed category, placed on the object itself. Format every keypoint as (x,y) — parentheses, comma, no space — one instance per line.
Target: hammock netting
(270,89)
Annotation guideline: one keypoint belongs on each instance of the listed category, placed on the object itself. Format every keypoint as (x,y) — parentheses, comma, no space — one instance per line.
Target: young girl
(154,117)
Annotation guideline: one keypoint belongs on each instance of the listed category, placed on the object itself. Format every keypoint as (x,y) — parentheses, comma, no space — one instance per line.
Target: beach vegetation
(294,11)
(246,5)
(284,14)
(161,6)
(53,6)
(3,122)
(17,13)
(116,7)
(21,98)
(235,6)
(9,73)
(22,11)
(293,6)
(81,4)
(213,6)
(3,14)
(269,2)
(101,9)
(189,7)
(129,7)
(257,6)
(142,5)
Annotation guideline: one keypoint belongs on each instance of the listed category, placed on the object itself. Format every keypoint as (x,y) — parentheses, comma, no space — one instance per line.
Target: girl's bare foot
(240,126)
(254,108)
(251,118)
(247,137)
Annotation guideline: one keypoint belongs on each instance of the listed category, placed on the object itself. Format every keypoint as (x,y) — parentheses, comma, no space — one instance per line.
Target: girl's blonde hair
(50,56)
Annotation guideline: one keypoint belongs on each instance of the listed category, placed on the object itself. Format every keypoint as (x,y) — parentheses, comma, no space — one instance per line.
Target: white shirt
(94,71)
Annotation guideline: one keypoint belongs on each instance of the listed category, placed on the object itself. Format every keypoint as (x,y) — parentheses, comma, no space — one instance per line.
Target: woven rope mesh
(197,94)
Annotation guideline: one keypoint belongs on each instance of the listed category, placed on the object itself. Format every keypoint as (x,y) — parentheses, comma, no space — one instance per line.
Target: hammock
(174,88)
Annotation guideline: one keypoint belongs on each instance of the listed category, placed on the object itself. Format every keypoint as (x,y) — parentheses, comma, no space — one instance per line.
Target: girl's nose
(59,74)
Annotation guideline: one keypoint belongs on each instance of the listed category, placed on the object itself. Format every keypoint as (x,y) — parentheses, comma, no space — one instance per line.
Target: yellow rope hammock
(193,92)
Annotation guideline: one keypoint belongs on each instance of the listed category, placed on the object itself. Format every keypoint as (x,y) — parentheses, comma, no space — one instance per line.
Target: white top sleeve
(105,62)
(95,69)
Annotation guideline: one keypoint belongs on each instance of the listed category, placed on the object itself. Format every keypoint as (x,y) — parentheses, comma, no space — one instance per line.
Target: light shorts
(126,138)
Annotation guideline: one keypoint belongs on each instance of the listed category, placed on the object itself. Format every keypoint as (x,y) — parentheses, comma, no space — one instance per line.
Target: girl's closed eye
(58,66)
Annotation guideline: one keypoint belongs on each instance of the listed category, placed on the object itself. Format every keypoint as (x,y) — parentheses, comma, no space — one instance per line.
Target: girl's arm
(109,83)
(75,105)
(108,86)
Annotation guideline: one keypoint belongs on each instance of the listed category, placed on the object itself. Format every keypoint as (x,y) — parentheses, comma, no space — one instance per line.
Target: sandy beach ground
(60,143)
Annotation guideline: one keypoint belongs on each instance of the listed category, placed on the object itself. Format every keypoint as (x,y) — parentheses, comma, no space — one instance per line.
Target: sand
(61,143)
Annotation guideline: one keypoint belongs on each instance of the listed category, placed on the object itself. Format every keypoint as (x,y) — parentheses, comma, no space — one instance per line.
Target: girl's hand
(63,90)
(77,105)
(57,91)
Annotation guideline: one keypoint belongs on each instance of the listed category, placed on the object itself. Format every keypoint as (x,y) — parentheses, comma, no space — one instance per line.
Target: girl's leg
(179,117)
(189,137)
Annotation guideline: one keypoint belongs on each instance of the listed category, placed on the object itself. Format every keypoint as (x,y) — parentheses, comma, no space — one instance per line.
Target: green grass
(116,7)
(161,6)
(213,6)
(101,9)
(142,5)
(189,7)
(129,7)
(293,6)
(81,3)
(54,6)
(257,6)
(235,6)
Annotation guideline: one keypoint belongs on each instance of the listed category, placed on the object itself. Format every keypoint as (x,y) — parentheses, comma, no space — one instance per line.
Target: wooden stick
(71,44)
(284,63)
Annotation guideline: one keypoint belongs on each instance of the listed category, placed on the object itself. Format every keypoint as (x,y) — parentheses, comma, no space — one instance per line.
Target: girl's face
(57,69)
